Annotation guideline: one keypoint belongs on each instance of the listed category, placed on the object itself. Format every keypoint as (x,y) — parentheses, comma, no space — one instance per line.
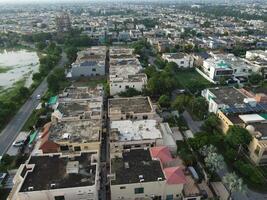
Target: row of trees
(16,96)
(233,146)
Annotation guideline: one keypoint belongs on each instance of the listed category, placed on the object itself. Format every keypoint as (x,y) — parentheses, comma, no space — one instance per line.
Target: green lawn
(4,69)
(187,77)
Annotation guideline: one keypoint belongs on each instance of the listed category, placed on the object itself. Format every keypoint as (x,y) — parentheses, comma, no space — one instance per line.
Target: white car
(38,97)
(18,143)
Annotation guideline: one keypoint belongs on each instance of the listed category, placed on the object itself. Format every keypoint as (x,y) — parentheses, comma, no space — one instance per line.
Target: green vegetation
(229,146)
(144,50)
(11,99)
(130,92)
(56,81)
(164,101)
(4,69)
(190,79)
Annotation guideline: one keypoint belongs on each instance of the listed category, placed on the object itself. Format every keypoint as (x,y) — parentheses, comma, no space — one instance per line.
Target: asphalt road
(11,131)
(193,125)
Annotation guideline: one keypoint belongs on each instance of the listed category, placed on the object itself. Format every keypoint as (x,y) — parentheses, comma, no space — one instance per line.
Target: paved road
(11,131)
(193,125)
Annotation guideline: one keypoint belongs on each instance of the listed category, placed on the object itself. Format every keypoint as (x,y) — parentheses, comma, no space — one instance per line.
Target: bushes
(164,101)
(249,172)
(130,92)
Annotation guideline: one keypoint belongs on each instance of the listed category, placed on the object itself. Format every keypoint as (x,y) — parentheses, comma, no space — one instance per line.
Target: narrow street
(193,125)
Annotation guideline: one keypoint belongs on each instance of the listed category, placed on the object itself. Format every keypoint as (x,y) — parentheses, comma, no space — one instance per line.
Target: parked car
(18,143)
(38,97)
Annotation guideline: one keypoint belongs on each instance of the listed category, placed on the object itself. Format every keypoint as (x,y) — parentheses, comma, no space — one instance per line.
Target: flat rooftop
(49,170)
(84,109)
(75,131)
(127,130)
(133,164)
(175,55)
(116,52)
(78,93)
(228,96)
(130,105)
(262,128)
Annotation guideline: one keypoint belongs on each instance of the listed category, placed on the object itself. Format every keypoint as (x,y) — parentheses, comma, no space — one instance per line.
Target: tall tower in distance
(63,22)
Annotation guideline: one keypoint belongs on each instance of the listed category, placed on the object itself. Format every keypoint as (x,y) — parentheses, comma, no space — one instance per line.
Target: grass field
(192,80)
(4,69)
(188,76)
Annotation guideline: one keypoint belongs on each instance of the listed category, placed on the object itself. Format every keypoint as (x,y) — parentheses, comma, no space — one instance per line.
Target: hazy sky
(73,1)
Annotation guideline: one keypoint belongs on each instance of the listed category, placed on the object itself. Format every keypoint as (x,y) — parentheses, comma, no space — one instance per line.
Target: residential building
(126,134)
(258,61)
(181,59)
(242,108)
(125,71)
(89,62)
(135,108)
(225,98)
(150,173)
(58,177)
(226,66)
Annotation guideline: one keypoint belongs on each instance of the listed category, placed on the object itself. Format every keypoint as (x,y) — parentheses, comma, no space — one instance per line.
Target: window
(78,148)
(182,62)
(145,117)
(64,148)
(59,198)
(257,151)
(122,187)
(93,69)
(169,197)
(139,190)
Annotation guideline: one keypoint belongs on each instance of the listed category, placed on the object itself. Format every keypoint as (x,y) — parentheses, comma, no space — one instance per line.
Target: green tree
(171,67)
(233,183)
(130,92)
(37,76)
(211,124)
(71,53)
(164,101)
(255,78)
(238,136)
(24,92)
(199,107)
(180,102)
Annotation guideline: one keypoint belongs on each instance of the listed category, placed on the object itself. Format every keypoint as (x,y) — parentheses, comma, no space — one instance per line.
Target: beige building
(257,126)
(127,134)
(57,178)
(150,174)
(135,108)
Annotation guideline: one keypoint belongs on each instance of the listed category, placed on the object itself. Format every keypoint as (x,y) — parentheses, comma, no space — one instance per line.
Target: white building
(224,98)
(125,71)
(181,59)
(127,134)
(57,178)
(90,62)
(225,66)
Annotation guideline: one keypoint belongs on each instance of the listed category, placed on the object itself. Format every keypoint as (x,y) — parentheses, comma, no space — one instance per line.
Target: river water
(20,65)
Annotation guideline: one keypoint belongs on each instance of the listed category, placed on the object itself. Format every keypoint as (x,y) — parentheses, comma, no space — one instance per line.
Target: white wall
(86,193)
(78,71)
(118,87)
(157,188)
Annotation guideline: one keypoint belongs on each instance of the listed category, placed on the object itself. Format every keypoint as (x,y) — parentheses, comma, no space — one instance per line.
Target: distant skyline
(73,1)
